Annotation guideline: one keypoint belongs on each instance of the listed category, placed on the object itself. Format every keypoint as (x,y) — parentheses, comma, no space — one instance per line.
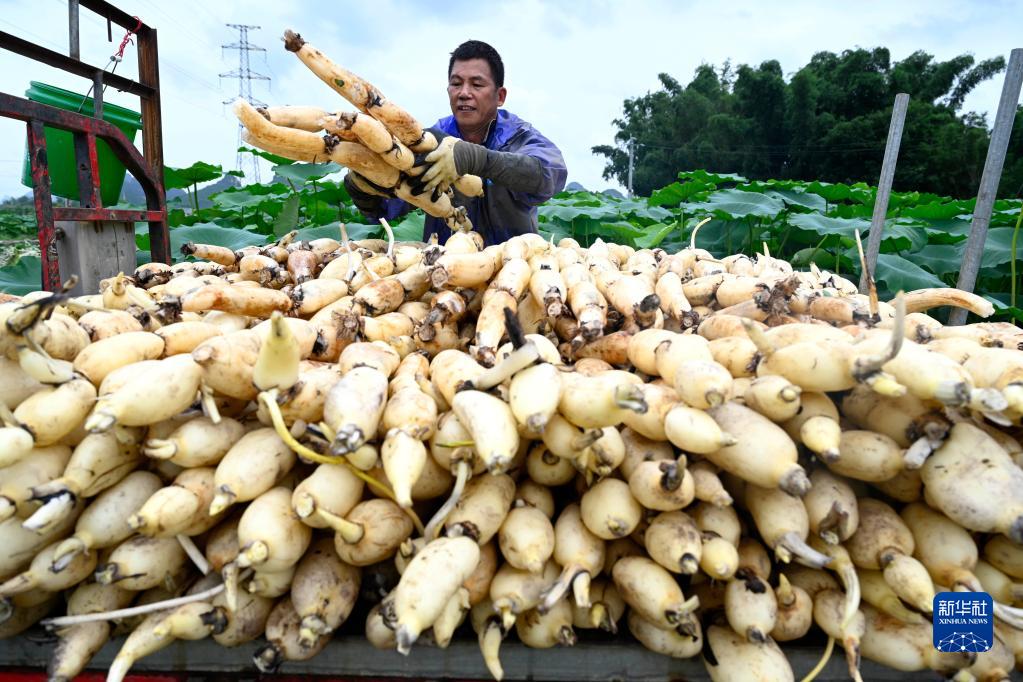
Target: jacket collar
(499,132)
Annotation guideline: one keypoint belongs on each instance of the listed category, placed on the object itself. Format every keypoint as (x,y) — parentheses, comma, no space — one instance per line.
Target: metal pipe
(72,25)
(884,186)
(44,206)
(97,94)
(62,61)
(111,13)
(1000,134)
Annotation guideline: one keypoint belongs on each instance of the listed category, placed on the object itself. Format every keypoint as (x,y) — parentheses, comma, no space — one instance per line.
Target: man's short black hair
(477,49)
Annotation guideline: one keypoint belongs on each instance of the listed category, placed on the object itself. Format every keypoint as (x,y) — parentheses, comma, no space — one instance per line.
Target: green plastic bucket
(60,144)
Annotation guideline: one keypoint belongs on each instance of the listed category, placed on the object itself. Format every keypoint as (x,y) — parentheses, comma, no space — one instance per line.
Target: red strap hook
(127,39)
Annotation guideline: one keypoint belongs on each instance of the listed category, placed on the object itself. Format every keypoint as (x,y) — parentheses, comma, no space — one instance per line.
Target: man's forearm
(517,172)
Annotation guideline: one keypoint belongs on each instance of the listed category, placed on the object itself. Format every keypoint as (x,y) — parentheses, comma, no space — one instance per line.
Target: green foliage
(16,225)
(306,172)
(736,203)
(17,231)
(272,158)
(22,277)
(304,196)
(408,230)
(189,178)
(180,178)
(900,274)
(213,234)
(287,219)
(829,121)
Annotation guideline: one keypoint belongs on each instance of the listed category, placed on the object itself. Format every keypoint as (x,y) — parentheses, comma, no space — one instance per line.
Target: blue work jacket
(502,212)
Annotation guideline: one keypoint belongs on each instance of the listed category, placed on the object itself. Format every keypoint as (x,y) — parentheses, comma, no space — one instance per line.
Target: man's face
(473,94)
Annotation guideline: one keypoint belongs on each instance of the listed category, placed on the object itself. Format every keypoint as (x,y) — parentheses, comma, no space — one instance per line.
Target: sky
(569,65)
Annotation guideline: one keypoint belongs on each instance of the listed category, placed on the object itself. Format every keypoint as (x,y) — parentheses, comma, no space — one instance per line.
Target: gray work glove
(454,157)
(366,196)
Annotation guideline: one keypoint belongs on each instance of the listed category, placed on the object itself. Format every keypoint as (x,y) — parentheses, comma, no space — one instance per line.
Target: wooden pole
(884,186)
(989,180)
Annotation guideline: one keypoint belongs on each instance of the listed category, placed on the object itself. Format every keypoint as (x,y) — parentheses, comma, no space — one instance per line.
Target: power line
(180,25)
(190,102)
(245,76)
(97,22)
(193,78)
(176,66)
(21,31)
(165,61)
(266,62)
(213,20)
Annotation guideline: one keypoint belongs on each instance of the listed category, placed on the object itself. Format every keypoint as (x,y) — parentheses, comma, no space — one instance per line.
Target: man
(520,167)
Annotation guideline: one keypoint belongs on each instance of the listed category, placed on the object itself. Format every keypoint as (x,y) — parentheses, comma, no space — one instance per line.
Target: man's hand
(364,186)
(442,171)
(365,195)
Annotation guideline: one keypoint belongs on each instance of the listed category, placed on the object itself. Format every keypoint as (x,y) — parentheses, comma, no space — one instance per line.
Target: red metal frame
(86,131)
(147,169)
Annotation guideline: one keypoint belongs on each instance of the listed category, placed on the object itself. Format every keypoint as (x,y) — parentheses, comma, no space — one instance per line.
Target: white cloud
(569,65)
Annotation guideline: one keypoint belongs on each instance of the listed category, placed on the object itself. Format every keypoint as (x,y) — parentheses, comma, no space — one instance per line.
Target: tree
(829,122)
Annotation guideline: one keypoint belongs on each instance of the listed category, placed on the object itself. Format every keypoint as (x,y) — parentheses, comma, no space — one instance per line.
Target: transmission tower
(245,76)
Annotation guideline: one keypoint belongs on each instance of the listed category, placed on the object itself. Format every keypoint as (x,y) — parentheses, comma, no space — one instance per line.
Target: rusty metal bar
(884,187)
(149,75)
(87,167)
(1000,134)
(114,14)
(104,214)
(41,54)
(89,130)
(44,206)
(97,94)
(26,110)
(152,140)
(72,24)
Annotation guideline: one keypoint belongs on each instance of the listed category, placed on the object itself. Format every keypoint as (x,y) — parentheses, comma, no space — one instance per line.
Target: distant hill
(578,187)
(18,204)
